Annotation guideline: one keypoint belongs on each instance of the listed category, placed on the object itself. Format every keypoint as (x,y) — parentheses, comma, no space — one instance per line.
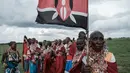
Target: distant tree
(109,38)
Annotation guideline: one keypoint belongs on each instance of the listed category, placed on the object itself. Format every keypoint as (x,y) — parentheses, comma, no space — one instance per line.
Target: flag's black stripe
(56,3)
(46,18)
(71,4)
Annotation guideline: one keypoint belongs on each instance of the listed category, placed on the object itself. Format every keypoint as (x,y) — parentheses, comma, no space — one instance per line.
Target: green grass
(120,48)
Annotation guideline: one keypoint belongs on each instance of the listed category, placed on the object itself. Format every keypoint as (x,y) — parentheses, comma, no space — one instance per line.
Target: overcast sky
(17,18)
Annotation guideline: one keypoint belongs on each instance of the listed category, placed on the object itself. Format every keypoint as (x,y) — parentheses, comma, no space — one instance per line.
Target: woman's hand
(86,69)
(5,65)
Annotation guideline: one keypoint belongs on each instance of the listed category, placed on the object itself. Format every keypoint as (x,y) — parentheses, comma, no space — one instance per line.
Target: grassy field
(120,48)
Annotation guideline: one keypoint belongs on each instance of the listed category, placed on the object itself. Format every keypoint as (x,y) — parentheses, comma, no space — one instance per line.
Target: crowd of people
(62,56)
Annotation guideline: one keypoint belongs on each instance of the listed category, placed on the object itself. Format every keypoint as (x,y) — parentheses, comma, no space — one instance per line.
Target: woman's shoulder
(110,57)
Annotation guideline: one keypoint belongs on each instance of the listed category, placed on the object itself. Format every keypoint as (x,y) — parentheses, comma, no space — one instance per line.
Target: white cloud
(111,17)
(112,24)
(118,33)
(17,10)
(14,33)
(17,18)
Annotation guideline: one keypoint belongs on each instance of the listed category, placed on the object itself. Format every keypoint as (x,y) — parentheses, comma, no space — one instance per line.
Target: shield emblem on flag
(63,9)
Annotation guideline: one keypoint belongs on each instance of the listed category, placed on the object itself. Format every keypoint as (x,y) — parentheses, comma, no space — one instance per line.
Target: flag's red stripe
(46,3)
(80,5)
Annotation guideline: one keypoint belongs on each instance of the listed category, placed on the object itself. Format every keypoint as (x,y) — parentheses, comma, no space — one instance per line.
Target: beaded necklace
(97,62)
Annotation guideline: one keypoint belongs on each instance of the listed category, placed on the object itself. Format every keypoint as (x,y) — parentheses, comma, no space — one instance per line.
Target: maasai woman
(100,59)
(11,59)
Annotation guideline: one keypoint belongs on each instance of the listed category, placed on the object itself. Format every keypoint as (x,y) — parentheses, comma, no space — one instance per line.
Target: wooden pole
(87,33)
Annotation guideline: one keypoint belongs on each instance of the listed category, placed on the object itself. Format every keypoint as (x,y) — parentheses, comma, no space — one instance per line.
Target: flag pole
(87,34)
(87,43)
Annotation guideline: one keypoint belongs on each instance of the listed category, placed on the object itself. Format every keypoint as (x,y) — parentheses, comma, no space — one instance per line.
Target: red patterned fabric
(60,60)
(60,64)
(72,50)
(77,67)
(49,65)
(112,67)
(54,65)
(25,47)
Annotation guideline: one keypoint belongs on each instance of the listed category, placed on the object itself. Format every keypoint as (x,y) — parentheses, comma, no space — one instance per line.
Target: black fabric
(46,18)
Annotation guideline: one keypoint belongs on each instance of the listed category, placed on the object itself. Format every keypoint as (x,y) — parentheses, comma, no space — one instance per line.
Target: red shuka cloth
(72,50)
(112,68)
(49,65)
(60,64)
(56,65)
(25,47)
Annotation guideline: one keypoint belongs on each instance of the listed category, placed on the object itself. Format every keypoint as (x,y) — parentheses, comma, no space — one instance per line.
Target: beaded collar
(97,62)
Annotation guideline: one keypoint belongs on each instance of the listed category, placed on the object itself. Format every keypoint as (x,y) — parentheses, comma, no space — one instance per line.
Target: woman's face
(13,46)
(97,42)
(80,44)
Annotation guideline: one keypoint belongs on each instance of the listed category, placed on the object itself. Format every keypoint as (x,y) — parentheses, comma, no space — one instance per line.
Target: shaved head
(97,40)
(96,34)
